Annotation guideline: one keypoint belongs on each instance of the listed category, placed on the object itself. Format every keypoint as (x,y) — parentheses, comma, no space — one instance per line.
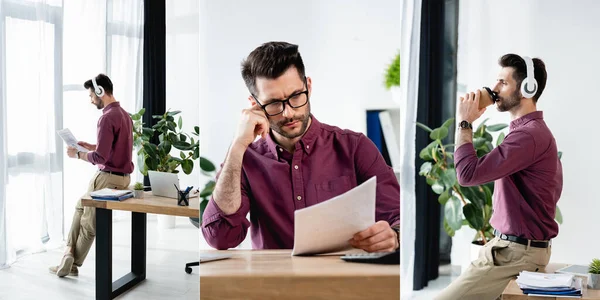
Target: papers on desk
(549,285)
(111,194)
(327,226)
(70,139)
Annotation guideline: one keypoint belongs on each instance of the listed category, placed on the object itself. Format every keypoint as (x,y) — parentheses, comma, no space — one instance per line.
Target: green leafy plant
(471,206)
(595,266)
(392,75)
(158,157)
(138,186)
(207,168)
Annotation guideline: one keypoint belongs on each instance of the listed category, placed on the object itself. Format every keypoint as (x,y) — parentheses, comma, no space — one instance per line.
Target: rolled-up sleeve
(223,231)
(369,162)
(516,152)
(105,141)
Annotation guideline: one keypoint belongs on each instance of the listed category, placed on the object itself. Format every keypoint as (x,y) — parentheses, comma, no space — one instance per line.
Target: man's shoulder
(327,130)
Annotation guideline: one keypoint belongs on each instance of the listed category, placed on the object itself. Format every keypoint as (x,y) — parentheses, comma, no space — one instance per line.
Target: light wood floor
(168,251)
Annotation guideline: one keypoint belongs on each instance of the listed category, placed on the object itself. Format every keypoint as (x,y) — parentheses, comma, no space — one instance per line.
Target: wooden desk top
(513,292)
(275,274)
(150,204)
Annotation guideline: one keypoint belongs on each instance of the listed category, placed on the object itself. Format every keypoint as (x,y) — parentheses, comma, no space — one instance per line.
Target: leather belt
(115,173)
(522,241)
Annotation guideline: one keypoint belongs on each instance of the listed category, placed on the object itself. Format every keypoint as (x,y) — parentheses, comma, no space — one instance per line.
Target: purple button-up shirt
(114,147)
(326,162)
(528,178)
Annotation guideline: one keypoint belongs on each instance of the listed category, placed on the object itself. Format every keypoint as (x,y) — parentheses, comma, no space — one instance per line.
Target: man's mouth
(290,124)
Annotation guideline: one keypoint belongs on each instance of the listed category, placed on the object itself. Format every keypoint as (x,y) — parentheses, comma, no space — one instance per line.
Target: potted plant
(594,276)
(392,78)
(138,190)
(470,206)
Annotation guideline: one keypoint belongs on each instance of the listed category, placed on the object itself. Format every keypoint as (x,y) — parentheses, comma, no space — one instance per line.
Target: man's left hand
(72,152)
(378,238)
(468,107)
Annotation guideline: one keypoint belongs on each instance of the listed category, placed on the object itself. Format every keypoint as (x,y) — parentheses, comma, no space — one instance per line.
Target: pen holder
(183,199)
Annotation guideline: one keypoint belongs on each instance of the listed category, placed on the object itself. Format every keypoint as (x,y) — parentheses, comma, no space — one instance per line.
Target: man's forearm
(463,136)
(228,194)
(83,156)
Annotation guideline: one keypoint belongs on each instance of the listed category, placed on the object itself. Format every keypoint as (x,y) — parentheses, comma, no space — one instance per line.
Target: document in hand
(327,226)
(70,139)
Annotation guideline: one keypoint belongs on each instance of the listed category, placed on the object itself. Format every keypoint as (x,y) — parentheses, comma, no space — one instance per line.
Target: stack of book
(111,194)
(550,285)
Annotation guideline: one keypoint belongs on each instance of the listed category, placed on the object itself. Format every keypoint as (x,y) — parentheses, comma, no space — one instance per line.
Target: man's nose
(288,111)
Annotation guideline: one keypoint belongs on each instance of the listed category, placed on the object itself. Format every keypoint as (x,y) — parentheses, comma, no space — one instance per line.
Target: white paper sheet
(70,139)
(326,227)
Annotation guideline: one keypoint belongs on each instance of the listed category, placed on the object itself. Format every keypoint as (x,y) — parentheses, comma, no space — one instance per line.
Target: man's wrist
(396,229)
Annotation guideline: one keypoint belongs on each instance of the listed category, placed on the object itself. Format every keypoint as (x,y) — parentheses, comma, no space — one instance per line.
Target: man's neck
(109,101)
(524,109)
(286,143)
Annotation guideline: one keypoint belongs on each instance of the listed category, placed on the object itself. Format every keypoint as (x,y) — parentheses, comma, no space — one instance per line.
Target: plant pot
(594,281)
(139,194)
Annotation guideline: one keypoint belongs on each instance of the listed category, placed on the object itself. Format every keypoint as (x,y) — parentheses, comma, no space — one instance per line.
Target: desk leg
(103,254)
(138,244)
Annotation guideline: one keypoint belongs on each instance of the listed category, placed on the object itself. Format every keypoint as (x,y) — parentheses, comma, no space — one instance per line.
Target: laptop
(163,184)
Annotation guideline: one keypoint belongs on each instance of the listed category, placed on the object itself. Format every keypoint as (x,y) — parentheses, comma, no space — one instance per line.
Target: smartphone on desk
(384,258)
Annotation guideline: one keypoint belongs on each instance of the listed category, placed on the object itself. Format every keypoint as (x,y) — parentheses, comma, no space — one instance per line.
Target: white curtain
(409,85)
(47,50)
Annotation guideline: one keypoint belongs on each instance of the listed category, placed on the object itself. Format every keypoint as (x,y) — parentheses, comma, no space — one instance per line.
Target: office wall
(562,33)
(182,69)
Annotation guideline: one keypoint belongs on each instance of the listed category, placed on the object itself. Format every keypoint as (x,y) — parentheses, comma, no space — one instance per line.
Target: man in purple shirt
(112,155)
(528,181)
(298,162)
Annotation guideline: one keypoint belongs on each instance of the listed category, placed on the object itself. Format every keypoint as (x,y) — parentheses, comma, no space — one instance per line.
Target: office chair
(188,266)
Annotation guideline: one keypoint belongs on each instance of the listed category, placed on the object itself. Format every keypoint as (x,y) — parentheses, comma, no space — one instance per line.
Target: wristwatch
(78,155)
(396,229)
(465,125)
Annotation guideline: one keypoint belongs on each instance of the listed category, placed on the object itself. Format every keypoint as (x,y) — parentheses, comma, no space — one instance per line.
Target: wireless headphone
(529,85)
(98,90)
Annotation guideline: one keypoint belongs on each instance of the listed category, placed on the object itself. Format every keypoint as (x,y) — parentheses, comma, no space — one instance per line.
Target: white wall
(563,34)
(182,70)
(346,47)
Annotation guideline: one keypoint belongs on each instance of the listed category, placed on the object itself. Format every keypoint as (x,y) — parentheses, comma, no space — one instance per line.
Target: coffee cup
(487,98)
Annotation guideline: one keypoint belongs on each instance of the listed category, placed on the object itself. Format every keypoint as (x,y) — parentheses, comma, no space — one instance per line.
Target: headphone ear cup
(529,87)
(100,92)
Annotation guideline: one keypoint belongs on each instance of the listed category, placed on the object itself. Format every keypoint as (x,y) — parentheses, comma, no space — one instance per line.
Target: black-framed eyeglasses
(276,107)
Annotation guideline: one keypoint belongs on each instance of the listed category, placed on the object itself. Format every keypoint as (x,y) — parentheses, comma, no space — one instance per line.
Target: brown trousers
(83,227)
(499,261)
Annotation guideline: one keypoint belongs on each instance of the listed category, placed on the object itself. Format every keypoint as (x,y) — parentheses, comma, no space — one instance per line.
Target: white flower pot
(138,194)
(594,281)
(165,222)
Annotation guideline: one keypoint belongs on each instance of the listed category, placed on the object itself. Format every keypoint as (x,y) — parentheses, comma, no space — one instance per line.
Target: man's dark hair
(520,71)
(270,61)
(103,81)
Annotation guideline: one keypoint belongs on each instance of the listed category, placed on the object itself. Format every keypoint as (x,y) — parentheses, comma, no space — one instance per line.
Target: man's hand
(87,146)
(72,152)
(468,107)
(378,238)
(253,122)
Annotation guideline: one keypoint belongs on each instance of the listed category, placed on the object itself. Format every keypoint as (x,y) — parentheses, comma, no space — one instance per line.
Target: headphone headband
(529,84)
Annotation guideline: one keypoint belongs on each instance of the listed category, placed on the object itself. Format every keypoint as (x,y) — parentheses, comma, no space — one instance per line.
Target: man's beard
(99,104)
(279,126)
(507,104)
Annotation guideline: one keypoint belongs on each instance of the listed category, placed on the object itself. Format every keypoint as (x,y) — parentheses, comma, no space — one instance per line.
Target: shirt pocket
(330,188)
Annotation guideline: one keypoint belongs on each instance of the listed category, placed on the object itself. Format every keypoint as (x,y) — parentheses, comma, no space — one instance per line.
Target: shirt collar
(525,119)
(114,104)
(306,142)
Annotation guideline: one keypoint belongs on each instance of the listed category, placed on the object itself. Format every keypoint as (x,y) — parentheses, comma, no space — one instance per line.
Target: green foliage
(138,186)
(595,266)
(392,75)
(471,206)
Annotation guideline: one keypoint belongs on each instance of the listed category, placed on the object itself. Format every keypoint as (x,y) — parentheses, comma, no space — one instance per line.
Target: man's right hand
(253,122)
(87,146)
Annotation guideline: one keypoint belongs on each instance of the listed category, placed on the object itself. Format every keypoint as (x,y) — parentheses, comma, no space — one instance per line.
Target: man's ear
(252,101)
(309,85)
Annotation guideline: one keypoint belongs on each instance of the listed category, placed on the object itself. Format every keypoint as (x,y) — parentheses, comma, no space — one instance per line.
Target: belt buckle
(504,236)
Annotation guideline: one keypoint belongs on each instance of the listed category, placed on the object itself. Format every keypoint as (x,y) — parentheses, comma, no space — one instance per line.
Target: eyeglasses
(276,107)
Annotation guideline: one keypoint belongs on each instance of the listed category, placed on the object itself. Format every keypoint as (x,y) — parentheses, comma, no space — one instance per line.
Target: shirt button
(299,198)
(307,146)
(280,149)
(296,167)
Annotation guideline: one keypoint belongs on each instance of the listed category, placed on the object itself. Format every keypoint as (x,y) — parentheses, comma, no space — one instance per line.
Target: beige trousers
(499,261)
(83,227)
